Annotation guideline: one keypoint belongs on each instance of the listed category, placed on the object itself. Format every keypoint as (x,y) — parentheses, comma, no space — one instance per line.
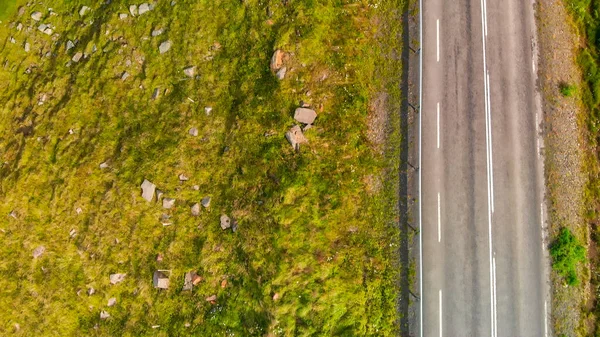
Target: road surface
(483,262)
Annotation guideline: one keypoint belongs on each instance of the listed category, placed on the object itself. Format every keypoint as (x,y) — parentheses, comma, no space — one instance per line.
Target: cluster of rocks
(277,63)
(295,134)
(149,190)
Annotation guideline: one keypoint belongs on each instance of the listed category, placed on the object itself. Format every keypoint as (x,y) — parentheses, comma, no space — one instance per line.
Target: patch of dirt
(564,153)
(377,121)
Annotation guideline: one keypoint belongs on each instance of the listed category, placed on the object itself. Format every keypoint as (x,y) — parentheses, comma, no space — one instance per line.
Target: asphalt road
(484,265)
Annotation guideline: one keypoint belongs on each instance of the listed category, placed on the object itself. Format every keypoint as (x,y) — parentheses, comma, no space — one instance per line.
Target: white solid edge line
(489,107)
(485,83)
(438,39)
(421,46)
(441,325)
(495,301)
(439,221)
(546,318)
(438,125)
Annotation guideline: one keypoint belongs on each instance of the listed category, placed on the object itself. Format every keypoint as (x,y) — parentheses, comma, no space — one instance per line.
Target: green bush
(567,90)
(566,252)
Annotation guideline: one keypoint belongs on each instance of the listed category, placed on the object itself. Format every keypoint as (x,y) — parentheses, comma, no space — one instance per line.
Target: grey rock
(123,16)
(36,16)
(190,71)
(111,301)
(77,57)
(277,60)
(148,189)
(21,10)
(225,222)
(160,279)
(19,27)
(156,93)
(164,47)
(143,8)
(211,298)
(207,110)
(165,219)
(48,31)
(183,177)
(187,281)
(159,195)
(133,10)
(173,2)
(104,314)
(157,32)
(83,10)
(205,202)
(72,233)
(296,137)
(117,278)
(42,27)
(305,115)
(12,40)
(124,76)
(193,132)
(195,209)
(38,251)
(103,165)
(196,188)
(91,291)
(70,45)
(281,73)
(168,203)
(27,47)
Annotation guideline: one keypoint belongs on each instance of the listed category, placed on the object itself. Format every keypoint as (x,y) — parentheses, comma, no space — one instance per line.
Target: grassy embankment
(586,17)
(315,249)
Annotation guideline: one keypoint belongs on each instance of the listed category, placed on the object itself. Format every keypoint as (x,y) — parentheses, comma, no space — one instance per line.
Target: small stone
(188,279)
(164,220)
(111,301)
(277,60)
(207,110)
(225,222)
(72,233)
(18,327)
(305,116)
(124,76)
(83,10)
(117,278)
(42,27)
(196,279)
(123,16)
(160,279)
(190,71)
(48,31)
(307,127)
(70,45)
(36,16)
(164,47)
(187,325)
(12,40)
(104,165)
(156,93)
(173,2)
(183,177)
(295,137)
(223,283)
(78,210)
(195,209)
(143,8)
(196,188)
(77,57)
(155,326)
(133,10)
(159,194)
(205,202)
(234,226)
(104,314)
(168,203)
(193,132)
(276,297)
(38,251)
(27,47)
(19,27)
(91,291)
(157,32)
(159,257)
(281,73)
(211,298)
(21,10)
(148,189)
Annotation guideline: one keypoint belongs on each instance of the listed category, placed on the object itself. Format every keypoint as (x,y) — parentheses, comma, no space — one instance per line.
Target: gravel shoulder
(564,154)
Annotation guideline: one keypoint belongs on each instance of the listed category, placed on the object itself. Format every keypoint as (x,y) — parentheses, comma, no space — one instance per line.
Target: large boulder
(296,137)
(148,190)
(305,115)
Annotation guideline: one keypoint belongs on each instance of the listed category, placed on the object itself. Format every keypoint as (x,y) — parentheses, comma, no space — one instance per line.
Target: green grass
(7,7)
(568,90)
(311,227)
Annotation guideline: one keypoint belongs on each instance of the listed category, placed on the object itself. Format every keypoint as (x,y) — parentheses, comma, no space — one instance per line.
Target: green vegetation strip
(314,252)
